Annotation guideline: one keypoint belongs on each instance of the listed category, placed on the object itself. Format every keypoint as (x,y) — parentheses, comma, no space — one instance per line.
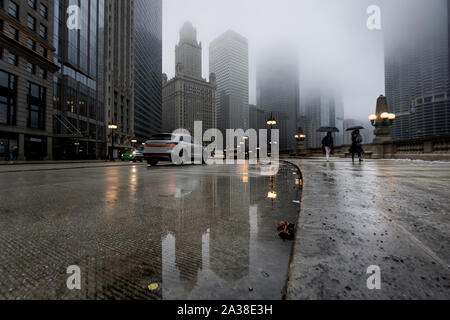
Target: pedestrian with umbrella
(357,141)
(328,141)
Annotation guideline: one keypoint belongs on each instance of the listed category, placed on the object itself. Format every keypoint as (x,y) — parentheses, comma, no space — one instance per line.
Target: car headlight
(134,153)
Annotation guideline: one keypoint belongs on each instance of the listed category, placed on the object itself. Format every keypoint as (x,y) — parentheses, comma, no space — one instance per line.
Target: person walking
(15,153)
(356,147)
(328,145)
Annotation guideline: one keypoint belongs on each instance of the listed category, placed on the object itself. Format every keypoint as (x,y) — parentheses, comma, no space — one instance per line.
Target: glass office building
(148,68)
(417,53)
(78,100)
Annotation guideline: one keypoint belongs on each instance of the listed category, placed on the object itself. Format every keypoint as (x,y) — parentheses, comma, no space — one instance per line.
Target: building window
(31,44)
(43,10)
(36,106)
(13,9)
(43,51)
(31,23)
(31,68)
(42,73)
(43,31)
(13,33)
(8,96)
(12,59)
(32,4)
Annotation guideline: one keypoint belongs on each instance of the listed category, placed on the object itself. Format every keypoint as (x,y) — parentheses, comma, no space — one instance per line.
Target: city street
(393,214)
(192,232)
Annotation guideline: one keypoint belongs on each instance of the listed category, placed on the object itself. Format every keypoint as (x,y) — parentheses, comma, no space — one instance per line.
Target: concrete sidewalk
(388,213)
(53,165)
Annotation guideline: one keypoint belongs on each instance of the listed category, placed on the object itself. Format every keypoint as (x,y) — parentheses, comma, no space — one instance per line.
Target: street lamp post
(271,122)
(112,127)
(133,143)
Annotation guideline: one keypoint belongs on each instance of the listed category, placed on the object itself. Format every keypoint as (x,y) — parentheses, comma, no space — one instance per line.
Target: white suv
(161,146)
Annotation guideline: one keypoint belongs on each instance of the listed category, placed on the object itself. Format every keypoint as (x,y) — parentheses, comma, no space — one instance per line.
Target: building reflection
(230,232)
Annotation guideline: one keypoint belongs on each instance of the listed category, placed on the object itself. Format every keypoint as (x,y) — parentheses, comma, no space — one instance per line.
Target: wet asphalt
(194,232)
(393,214)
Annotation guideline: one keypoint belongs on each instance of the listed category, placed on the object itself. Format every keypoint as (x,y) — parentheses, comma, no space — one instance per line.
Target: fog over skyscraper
(228,59)
(188,51)
(417,57)
(277,86)
(188,97)
(321,108)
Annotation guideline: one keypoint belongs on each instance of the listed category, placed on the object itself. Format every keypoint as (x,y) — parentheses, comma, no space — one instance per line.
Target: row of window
(13,59)
(36,100)
(13,10)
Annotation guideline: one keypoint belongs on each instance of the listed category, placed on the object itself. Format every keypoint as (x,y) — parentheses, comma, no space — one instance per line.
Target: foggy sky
(336,48)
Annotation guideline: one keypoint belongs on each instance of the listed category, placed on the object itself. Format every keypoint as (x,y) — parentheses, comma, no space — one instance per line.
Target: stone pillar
(21,147)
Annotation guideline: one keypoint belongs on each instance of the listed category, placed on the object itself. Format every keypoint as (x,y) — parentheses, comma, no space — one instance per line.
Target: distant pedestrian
(356,147)
(15,153)
(328,145)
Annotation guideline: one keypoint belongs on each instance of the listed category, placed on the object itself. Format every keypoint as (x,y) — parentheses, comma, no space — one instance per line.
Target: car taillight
(161,144)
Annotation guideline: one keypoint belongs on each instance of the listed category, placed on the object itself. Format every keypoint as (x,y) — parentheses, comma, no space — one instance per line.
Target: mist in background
(336,49)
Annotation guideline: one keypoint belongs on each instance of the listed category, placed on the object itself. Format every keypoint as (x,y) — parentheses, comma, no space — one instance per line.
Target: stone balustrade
(435,148)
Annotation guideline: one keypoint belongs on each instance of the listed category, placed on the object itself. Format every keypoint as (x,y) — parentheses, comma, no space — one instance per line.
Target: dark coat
(328,142)
(356,147)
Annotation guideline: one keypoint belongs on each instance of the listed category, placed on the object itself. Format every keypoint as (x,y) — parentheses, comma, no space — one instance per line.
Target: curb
(284,296)
(68,168)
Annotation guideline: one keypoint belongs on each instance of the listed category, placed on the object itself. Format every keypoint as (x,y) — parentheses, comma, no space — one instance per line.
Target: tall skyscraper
(188,52)
(417,55)
(119,72)
(78,95)
(321,109)
(257,118)
(26,79)
(147,68)
(228,60)
(277,85)
(187,97)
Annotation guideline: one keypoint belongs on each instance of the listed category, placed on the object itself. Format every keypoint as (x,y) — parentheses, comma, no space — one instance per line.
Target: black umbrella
(355,128)
(328,129)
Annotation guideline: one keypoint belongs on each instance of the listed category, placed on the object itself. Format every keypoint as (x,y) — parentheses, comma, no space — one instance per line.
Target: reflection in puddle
(222,239)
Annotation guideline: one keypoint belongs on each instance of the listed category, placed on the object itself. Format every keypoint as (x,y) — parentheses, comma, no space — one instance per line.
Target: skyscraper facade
(277,85)
(119,73)
(188,97)
(228,60)
(147,68)
(188,52)
(321,110)
(417,55)
(78,90)
(26,73)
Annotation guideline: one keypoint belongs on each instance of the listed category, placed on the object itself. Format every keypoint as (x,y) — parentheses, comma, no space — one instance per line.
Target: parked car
(160,146)
(138,155)
(126,156)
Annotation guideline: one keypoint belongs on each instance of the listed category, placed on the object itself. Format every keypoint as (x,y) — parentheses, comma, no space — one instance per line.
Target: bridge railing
(434,148)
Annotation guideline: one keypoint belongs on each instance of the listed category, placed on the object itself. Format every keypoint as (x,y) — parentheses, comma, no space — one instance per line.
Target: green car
(127,156)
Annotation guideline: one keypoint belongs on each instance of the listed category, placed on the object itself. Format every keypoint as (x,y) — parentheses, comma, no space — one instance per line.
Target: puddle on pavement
(196,232)
(225,245)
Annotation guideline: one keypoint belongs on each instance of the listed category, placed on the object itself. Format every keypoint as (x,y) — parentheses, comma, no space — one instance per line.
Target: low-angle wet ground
(198,232)
(393,214)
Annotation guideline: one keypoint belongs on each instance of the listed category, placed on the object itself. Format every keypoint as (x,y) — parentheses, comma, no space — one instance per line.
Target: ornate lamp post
(300,138)
(382,121)
(112,127)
